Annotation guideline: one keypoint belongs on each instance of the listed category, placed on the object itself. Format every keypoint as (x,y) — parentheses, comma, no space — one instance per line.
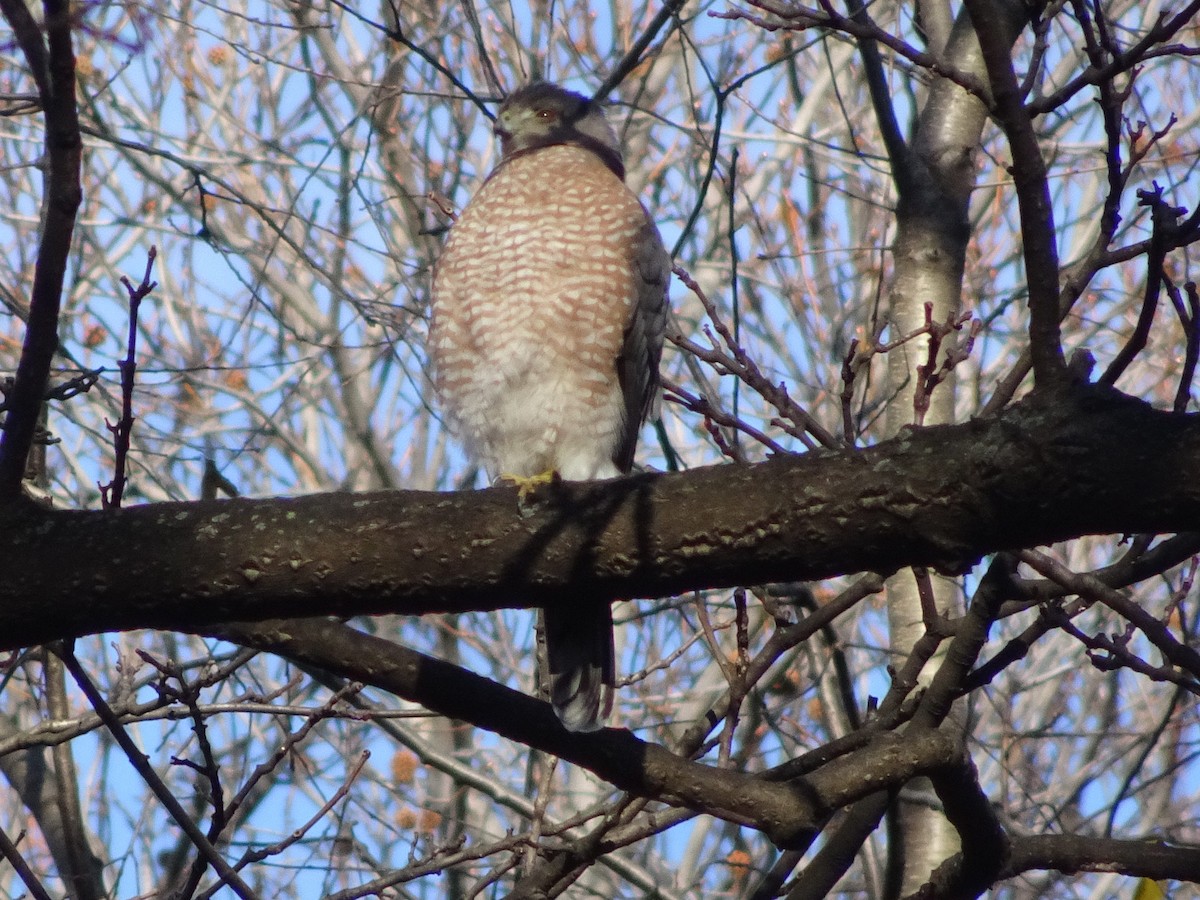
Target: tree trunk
(935,179)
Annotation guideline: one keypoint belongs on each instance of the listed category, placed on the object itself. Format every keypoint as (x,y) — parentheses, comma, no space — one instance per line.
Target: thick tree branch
(985,844)
(789,812)
(839,851)
(1045,470)
(1073,853)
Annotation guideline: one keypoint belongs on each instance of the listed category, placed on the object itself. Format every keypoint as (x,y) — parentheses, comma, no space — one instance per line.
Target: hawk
(549,306)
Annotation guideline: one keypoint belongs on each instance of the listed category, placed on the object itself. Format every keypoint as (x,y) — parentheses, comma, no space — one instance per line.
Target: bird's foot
(527,487)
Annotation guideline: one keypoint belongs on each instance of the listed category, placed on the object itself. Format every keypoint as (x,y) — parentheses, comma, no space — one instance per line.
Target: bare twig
(507,849)
(397,34)
(72,387)
(1164,219)
(1109,653)
(112,493)
(783,640)
(1168,24)
(738,363)
(278,847)
(930,373)
(1093,588)
(633,56)
(142,765)
(1111,103)
(802,18)
(289,744)
(189,695)
(1076,280)
(734,671)
(676,393)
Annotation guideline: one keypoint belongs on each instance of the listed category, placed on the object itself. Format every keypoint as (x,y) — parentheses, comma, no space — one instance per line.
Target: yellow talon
(527,485)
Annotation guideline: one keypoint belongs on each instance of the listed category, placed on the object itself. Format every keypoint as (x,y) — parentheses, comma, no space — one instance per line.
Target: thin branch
(253,856)
(675,393)
(840,849)
(782,641)
(1166,27)
(737,362)
(633,56)
(1111,103)
(1166,720)
(881,100)
(931,373)
(1093,588)
(1164,219)
(10,852)
(994,20)
(397,34)
(1075,281)
(438,863)
(84,873)
(794,17)
(141,764)
(53,66)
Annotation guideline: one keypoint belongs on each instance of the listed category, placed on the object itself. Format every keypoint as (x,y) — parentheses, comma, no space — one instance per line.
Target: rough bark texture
(1045,470)
(932,234)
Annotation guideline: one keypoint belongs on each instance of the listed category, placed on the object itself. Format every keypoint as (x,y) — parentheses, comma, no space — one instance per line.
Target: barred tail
(579,651)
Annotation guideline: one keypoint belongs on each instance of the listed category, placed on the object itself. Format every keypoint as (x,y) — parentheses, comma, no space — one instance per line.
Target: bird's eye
(547,115)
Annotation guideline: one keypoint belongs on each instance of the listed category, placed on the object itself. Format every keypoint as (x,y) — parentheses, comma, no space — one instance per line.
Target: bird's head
(543,115)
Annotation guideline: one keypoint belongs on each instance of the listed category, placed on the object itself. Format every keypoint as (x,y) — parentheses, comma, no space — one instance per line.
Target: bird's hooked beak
(502,133)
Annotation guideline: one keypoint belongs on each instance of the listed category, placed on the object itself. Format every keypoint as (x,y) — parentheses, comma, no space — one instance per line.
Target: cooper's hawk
(549,304)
